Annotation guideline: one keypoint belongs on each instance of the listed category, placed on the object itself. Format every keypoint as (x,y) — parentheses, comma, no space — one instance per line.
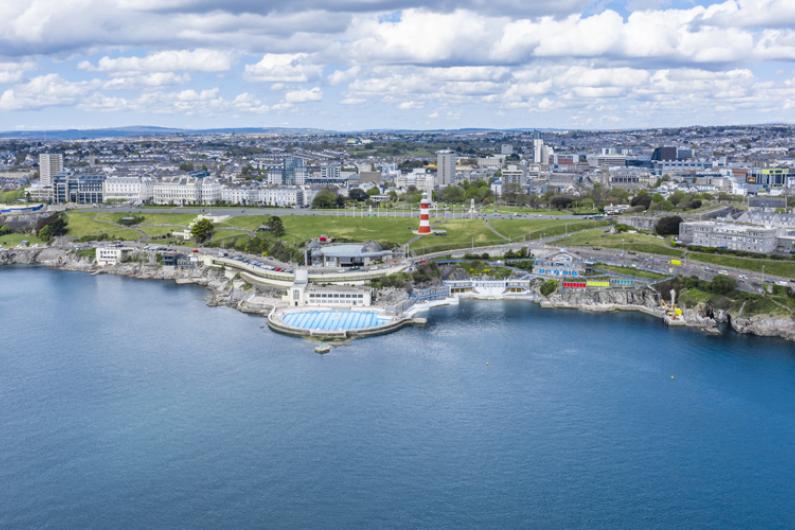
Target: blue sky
(357,64)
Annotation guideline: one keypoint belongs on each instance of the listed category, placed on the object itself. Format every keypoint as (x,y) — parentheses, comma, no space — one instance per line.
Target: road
(238,210)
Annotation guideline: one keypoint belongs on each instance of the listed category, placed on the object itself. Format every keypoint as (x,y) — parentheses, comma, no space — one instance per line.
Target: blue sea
(131,404)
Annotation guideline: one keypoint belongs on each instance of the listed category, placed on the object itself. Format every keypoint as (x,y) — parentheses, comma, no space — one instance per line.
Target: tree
(277,226)
(561,202)
(723,284)
(326,199)
(52,226)
(202,230)
(676,197)
(668,226)
(548,287)
(641,199)
(452,194)
(358,195)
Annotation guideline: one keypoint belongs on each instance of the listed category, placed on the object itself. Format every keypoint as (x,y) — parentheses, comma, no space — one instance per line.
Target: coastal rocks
(698,318)
(765,326)
(604,299)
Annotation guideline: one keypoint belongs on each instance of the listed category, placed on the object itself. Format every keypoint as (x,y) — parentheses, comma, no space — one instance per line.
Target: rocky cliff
(223,291)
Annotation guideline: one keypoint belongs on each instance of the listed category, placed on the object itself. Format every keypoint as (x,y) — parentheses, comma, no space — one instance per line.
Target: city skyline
(355,65)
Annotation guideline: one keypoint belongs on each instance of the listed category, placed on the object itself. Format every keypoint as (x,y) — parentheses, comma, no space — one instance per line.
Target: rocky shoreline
(237,294)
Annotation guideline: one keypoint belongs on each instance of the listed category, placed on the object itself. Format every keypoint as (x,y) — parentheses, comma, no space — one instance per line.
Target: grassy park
(626,241)
(390,231)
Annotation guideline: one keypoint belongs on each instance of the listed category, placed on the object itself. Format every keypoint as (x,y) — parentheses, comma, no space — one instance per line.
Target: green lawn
(461,234)
(87,224)
(521,229)
(630,242)
(785,268)
(12,240)
(631,271)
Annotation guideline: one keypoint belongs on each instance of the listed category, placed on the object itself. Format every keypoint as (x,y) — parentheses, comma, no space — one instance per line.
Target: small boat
(322,348)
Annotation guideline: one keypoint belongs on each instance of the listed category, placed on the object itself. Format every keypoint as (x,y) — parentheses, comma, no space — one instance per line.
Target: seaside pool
(334,320)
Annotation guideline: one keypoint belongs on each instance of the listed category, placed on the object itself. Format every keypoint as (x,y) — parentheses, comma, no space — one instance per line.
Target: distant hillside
(145,130)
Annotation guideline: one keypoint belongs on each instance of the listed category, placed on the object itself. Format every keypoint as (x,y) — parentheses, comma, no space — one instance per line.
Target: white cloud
(200,60)
(11,72)
(341,76)
(410,105)
(155,79)
(283,68)
(48,90)
(247,103)
(303,96)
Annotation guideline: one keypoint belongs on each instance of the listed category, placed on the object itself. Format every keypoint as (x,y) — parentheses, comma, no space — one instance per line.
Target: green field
(630,242)
(631,271)
(655,245)
(785,268)
(90,224)
(528,229)
(389,231)
(12,240)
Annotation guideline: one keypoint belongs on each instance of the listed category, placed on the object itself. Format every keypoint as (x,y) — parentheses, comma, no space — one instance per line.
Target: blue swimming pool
(334,320)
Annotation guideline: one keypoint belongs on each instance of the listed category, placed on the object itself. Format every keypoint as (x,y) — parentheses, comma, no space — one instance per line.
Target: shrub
(549,287)
(642,199)
(723,284)
(668,226)
(131,220)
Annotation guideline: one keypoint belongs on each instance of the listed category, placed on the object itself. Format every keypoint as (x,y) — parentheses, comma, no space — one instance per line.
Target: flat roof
(345,250)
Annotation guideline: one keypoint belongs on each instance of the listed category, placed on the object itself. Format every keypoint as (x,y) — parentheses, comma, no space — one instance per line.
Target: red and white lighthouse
(425,216)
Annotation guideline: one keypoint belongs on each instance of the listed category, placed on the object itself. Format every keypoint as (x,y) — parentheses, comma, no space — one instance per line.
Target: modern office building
(445,167)
(664,153)
(293,170)
(77,189)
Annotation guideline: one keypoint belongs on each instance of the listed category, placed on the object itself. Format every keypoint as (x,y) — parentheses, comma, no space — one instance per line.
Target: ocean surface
(131,404)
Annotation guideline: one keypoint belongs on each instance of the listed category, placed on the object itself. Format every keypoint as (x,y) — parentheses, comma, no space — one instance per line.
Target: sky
(418,64)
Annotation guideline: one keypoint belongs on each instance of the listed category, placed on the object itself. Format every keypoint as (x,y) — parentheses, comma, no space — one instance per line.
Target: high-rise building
(540,152)
(293,170)
(445,167)
(50,164)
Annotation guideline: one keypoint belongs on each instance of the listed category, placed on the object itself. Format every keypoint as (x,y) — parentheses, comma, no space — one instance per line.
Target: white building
(331,170)
(210,191)
(128,189)
(292,197)
(178,191)
(734,236)
(244,195)
(418,178)
(514,176)
(112,255)
(50,164)
(302,293)
(540,152)
(445,167)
